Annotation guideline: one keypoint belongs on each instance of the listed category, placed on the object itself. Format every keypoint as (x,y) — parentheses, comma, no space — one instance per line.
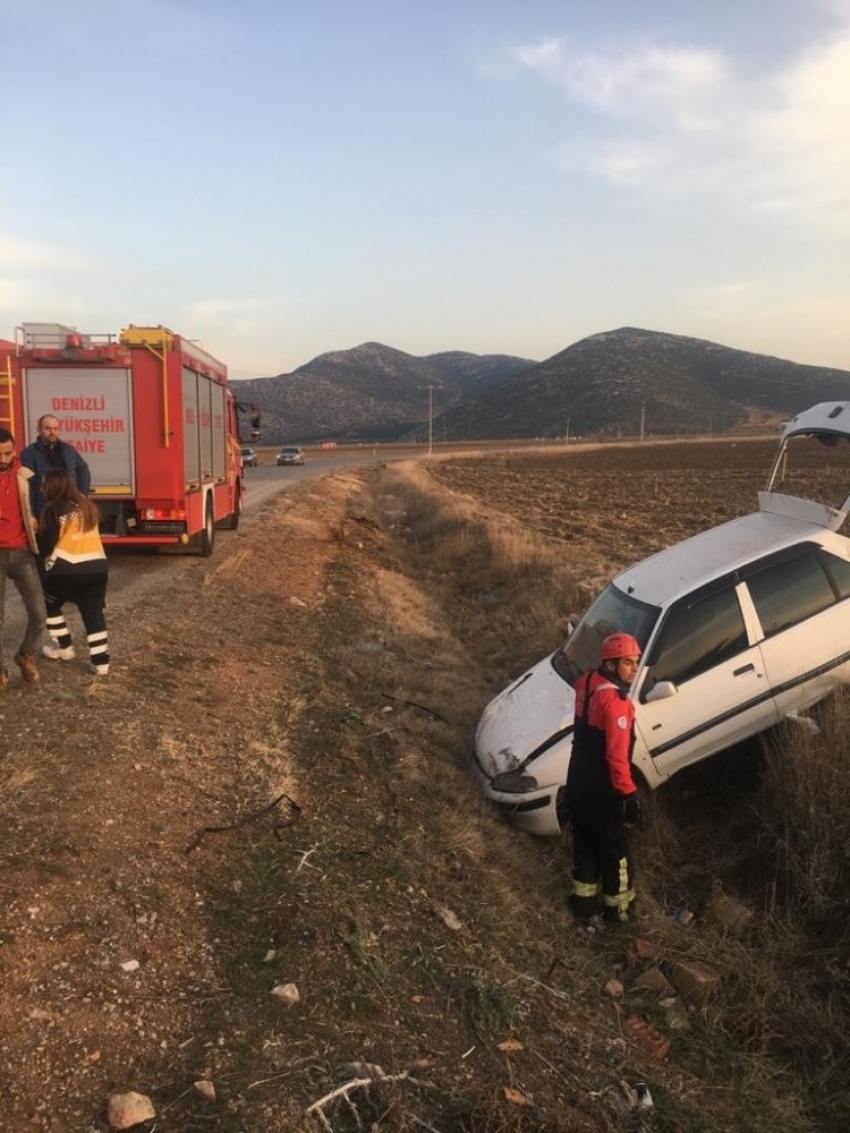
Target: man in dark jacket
(601,793)
(47,452)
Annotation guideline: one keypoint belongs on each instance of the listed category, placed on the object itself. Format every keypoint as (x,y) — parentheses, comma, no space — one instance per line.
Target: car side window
(786,593)
(838,570)
(697,635)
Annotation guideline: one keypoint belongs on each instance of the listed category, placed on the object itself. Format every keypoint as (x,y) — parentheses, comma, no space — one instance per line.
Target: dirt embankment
(105,786)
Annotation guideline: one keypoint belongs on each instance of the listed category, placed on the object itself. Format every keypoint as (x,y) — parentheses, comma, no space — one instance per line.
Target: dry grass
(804,813)
(501,592)
(504,586)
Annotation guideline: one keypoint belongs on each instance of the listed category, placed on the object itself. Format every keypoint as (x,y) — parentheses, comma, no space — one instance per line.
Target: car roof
(681,568)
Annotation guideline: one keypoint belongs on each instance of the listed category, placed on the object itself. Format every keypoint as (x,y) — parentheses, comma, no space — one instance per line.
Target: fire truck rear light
(163,513)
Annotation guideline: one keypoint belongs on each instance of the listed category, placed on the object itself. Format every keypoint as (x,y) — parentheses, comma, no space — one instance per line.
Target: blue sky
(279,179)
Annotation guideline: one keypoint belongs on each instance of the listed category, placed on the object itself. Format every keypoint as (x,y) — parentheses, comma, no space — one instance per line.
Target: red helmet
(618,645)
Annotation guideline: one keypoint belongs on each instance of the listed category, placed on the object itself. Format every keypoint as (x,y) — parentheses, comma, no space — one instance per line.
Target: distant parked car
(249,457)
(290,454)
(740,626)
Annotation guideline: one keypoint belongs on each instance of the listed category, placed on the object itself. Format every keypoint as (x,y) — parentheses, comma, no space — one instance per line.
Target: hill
(605,384)
(371,392)
(608,382)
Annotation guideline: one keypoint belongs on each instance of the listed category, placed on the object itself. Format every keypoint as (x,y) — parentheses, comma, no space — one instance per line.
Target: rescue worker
(47,452)
(602,797)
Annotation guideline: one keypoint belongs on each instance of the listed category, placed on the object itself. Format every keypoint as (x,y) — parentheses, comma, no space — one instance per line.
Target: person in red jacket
(17,558)
(602,798)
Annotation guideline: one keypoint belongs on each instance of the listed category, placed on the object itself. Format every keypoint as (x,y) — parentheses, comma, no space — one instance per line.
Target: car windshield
(612,612)
(290,451)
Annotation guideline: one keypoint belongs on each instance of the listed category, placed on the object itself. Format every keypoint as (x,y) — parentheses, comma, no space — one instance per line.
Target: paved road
(267,480)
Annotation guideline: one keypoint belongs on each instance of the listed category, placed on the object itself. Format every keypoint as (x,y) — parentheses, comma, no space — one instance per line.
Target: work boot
(586,910)
(29,669)
(617,916)
(57,652)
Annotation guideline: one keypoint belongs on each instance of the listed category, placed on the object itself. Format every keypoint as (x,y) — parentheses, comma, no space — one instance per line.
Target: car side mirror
(662,691)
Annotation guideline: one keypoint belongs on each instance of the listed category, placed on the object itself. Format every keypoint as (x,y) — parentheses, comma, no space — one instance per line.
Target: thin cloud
(237,320)
(22,254)
(218,308)
(733,290)
(636,81)
(12,294)
(681,120)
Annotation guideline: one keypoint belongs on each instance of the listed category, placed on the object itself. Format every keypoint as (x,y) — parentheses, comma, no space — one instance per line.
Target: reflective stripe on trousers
(624,896)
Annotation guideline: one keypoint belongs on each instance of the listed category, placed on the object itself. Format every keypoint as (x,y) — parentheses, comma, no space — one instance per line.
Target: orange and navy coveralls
(598,780)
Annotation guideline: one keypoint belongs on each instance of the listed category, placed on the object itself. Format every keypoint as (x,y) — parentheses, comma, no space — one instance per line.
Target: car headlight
(514,782)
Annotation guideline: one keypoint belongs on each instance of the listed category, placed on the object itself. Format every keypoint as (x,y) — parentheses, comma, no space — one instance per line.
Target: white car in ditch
(740,625)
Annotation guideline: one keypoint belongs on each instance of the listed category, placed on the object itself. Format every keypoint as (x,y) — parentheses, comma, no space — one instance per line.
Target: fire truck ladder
(7,399)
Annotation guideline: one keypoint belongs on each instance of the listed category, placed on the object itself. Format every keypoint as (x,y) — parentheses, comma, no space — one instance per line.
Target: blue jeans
(19,567)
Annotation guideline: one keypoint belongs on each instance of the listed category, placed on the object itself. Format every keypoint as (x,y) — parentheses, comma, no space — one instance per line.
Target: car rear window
(786,593)
(839,571)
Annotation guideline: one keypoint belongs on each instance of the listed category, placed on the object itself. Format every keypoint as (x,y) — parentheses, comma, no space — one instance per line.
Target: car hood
(524,720)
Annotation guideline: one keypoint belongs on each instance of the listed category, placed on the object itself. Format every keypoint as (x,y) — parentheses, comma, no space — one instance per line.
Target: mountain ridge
(369,392)
(623,381)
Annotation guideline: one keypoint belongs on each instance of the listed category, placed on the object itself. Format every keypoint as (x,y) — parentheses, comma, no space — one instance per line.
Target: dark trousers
(88,594)
(18,564)
(602,866)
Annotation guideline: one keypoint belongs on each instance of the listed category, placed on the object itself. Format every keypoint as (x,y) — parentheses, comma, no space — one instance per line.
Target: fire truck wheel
(232,521)
(206,539)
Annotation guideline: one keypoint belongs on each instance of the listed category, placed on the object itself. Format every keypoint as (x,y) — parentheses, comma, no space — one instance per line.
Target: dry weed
(804,814)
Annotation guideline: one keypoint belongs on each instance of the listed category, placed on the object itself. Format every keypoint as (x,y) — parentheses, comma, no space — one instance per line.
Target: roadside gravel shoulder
(107,957)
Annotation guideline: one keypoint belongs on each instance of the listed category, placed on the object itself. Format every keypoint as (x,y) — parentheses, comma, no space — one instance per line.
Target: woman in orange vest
(73,569)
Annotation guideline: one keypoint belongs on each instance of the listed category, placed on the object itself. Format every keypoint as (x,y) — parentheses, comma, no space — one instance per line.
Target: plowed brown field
(618,503)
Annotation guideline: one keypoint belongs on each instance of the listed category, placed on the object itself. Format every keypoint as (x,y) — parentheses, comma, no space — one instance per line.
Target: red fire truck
(151,413)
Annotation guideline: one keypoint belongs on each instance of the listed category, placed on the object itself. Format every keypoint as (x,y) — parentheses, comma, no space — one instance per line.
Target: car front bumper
(519,797)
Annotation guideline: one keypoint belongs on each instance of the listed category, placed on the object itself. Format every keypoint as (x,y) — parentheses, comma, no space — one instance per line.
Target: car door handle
(745,669)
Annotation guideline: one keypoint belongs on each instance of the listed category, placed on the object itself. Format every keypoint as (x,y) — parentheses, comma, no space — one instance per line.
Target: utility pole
(430,419)
(567,433)
(642,419)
